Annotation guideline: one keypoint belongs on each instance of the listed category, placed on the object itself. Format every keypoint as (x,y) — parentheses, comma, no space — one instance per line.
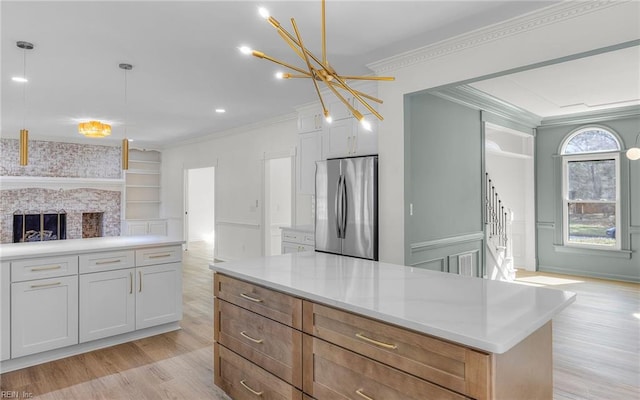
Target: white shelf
(25,182)
(508,153)
(144,161)
(144,186)
(142,202)
(142,172)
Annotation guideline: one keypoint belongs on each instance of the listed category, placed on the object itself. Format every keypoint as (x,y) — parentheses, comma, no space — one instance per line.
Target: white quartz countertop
(487,315)
(49,248)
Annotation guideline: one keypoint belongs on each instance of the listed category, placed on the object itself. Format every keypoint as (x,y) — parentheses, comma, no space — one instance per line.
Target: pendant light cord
(126,108)
(24,88)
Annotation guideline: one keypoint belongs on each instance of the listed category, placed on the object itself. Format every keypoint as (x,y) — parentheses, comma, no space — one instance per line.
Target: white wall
(536,38)
(201,203)
(238,159)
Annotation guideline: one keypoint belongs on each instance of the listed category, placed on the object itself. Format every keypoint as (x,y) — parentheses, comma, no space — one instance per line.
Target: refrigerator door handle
(338,207)
(344,208)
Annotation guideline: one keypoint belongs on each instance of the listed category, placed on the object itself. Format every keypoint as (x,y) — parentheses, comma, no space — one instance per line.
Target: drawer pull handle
(47,268)
(107,262)
(360,392)
(244,335)
(130,282)
(244,385)
(377,343)
(160,255)
(45,285)
(246,296)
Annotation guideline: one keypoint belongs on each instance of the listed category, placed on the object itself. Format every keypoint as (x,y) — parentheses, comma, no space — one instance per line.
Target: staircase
(498,220)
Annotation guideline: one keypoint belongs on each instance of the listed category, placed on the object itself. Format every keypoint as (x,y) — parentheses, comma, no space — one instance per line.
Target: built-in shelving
(142,193)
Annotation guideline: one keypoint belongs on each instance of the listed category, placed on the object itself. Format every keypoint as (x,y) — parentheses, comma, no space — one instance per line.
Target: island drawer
(45,267)
(242,380)
(158,255)
(266,302)
(333,372)
(269,344)
(306,238)
(106,261)
(453,366)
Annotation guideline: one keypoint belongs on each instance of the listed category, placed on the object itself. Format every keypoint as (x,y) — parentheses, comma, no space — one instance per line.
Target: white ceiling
(186,61)
(598,82)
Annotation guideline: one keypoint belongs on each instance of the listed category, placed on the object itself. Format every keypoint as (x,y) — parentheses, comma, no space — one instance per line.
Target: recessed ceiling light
(221,110)
(131,140)
(19,79)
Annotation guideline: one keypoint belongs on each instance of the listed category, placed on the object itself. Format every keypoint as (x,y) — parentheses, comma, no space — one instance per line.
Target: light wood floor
(596,348)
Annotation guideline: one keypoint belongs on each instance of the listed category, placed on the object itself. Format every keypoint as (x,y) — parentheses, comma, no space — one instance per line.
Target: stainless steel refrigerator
(347,206)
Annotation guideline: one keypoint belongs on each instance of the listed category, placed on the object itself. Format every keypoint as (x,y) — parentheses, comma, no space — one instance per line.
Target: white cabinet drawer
(158,255)
(45,267)
(106,261)
(305,238)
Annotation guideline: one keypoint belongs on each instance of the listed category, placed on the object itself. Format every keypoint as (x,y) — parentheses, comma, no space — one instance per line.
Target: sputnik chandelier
(319,70)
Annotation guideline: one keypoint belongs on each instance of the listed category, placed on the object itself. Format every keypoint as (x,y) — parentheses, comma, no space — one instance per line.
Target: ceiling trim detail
(528,22)
(591,117)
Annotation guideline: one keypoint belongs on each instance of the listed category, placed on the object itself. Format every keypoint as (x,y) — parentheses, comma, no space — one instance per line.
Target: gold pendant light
(125,141)
(319,70)
(24,133)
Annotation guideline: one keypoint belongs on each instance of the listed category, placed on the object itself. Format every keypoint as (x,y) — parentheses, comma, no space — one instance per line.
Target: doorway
(278,201)
(199,219)
(509,164)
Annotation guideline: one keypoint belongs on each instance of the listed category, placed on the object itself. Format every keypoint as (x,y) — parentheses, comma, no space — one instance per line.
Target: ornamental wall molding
(515,26)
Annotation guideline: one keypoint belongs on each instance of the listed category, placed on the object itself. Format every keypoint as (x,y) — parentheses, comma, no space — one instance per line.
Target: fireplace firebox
(37,227)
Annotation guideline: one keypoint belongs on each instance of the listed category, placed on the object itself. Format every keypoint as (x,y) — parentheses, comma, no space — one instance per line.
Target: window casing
(591,189)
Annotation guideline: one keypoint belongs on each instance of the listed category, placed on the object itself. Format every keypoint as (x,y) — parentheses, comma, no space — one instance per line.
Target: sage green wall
(443,181)
(554,257)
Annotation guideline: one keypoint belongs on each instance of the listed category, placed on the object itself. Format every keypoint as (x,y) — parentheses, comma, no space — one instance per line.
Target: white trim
(587,128)
(515,26)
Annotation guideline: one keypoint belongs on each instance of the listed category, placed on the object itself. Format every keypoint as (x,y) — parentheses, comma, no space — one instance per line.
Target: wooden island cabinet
(275,339)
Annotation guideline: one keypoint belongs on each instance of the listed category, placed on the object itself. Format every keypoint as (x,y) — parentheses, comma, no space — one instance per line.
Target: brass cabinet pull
(108,262)
(377,343)
(246,296)
(160,255)
(244,385)
(244,335)
(130,282)
(359,392)
(45,285)
(140,275)
(47,268)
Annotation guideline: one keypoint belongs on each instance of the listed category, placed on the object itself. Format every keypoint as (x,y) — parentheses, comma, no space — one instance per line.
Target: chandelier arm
(294,76)
(291,44)
(377,100)
(368,78)
(260,54)
(357,96)
(311,69)
(279,27)
(341,98)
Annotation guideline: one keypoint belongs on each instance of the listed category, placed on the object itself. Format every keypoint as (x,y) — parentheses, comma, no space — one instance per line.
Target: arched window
(591,188)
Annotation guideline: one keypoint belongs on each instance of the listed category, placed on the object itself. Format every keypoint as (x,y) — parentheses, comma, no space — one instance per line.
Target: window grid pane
(592,180)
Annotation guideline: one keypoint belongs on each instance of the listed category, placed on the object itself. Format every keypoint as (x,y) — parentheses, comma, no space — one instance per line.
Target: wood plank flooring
(596,348)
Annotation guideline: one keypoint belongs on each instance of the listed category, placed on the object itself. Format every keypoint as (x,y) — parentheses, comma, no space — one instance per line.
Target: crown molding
(472,97)
(515,26)
(591,117)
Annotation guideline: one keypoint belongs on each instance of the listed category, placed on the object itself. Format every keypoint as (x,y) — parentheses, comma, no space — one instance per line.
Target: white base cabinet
(44,315)
(5,311)
(57,306)
(297,239)
(107,304)
(159,295)
(151,227)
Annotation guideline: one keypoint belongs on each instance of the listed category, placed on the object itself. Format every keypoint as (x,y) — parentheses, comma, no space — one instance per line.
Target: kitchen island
(331,327)
(61,298)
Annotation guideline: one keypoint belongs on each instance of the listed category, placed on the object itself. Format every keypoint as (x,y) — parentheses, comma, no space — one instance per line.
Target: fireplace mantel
(45,182)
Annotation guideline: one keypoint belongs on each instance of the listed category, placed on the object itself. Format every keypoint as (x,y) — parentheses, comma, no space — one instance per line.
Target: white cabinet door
(107,304)
(366,142)
(310,151)
(338,138)
(44,315)
(310,120)
(157,228)
(137,228)
(5,311)
(159,294)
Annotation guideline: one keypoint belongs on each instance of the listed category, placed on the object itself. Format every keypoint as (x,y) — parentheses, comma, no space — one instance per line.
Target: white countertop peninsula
(487,315)
(13,251)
